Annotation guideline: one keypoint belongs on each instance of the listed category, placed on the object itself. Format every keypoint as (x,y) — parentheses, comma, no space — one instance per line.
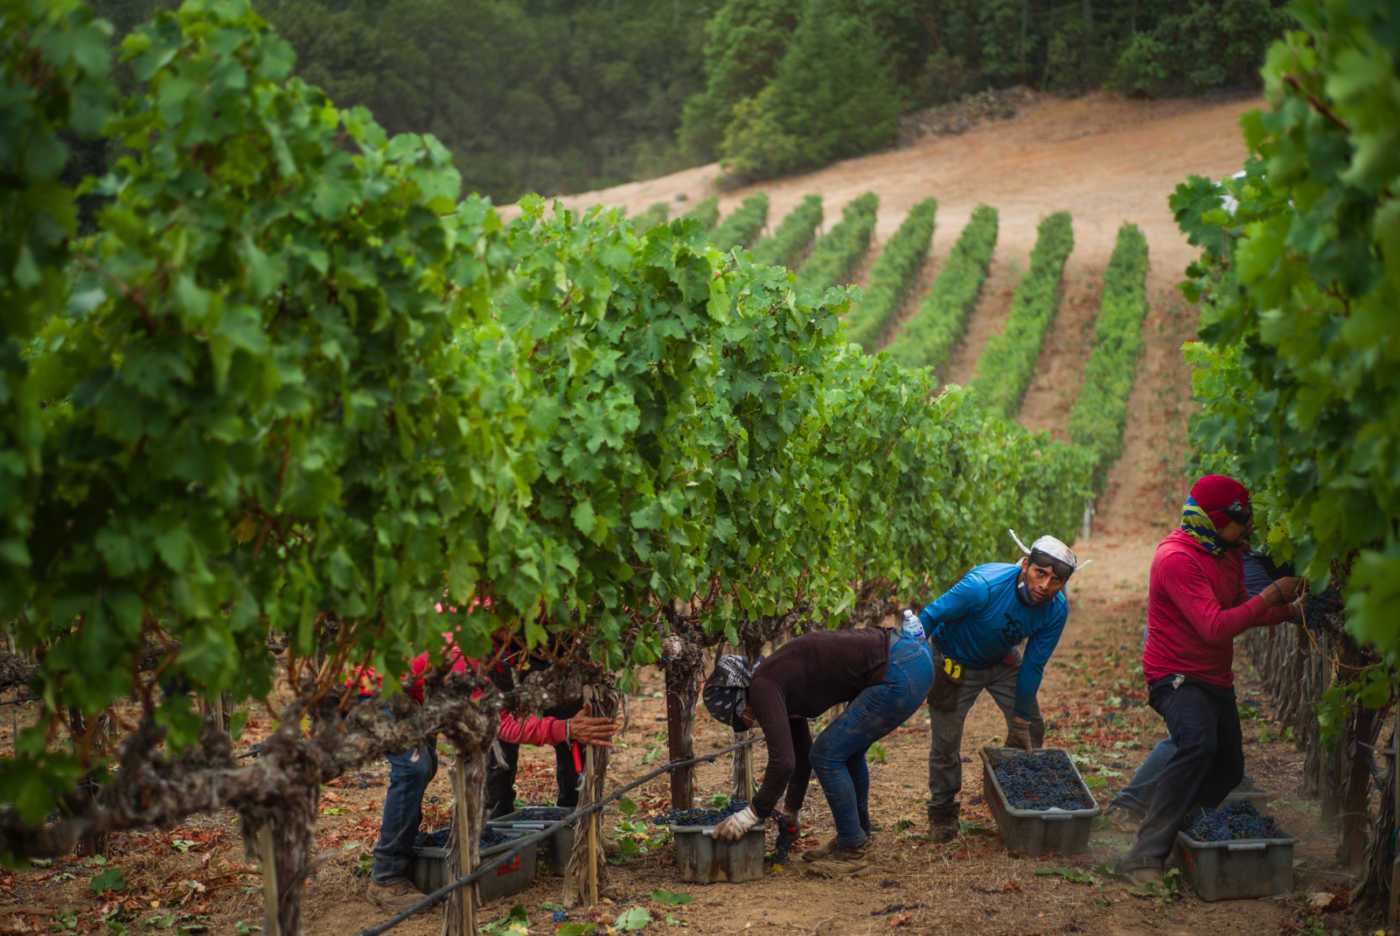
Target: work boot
(943,824)
(834,850)
(392,896)
(1138,870)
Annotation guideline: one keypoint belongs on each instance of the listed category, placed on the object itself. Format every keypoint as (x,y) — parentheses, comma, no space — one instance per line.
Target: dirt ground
(1106,160)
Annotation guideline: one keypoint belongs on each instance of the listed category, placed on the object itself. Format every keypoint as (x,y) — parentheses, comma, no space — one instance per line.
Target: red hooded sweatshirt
(1196,606)
(532,730)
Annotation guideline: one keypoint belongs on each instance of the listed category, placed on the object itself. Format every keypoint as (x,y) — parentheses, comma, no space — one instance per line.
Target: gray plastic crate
(704,859)
(1239,868)
(432,868)
(1036,831)
(557,848)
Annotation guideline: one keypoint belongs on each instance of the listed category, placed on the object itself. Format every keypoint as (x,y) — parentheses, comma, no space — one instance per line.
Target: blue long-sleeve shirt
(981,618)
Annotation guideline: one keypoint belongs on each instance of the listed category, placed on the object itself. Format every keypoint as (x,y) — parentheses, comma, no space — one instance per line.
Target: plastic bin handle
(1246,846)
(1056,817)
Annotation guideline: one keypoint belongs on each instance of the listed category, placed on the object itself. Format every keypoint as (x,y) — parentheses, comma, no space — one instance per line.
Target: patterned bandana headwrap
(1197,524)
(726,692)
(1049,551)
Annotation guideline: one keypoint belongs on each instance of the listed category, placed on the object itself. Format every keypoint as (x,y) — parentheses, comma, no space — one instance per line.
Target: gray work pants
(945,751)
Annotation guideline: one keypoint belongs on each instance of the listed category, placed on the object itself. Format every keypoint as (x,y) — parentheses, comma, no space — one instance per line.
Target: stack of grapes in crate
(704,859)
(432,867)
(1236,851)
(1039,800)
(536,818)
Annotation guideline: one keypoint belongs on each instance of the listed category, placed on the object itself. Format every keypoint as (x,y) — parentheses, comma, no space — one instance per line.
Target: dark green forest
(560,96)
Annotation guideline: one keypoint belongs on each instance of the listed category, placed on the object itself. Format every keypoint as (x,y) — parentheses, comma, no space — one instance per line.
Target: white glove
(734,828)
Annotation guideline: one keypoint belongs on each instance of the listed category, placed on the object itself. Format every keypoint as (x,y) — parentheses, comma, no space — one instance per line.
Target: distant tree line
(793,86)
(568,95)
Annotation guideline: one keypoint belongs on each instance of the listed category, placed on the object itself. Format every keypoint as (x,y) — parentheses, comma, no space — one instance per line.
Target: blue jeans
(838,754)
(409,775)
(1136,797)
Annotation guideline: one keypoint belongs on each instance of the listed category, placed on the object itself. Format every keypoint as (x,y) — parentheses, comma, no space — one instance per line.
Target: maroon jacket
(1196,606)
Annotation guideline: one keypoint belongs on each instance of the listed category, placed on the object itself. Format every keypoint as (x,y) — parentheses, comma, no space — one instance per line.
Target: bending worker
(1196,607)
(883,674)
(975,628)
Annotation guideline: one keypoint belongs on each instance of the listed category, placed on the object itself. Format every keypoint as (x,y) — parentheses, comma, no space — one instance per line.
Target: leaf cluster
(836,253)
(794,234)
(1297,370)
(893,274)
(1100,412)
(298,389)
(742,226)
(929,337)
(1007,364)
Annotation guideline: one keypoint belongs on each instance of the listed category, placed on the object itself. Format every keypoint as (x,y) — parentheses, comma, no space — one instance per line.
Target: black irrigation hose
(439,895)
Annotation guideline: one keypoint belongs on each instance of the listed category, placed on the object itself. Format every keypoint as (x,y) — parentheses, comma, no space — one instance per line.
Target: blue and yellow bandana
(1198,525)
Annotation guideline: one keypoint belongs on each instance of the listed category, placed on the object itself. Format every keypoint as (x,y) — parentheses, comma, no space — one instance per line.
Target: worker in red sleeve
(1196,606)
(411,771)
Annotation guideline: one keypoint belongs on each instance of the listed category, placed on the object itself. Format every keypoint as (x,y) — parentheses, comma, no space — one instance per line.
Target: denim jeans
(1208,763)
(409,775)
(1136,797)
(838,754)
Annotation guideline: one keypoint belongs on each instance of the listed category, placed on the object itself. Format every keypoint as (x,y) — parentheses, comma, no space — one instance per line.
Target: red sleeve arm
(1193,596)
(536,729)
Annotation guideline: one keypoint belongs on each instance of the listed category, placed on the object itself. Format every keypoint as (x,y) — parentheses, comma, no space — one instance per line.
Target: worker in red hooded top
(410,772)
(1196,606)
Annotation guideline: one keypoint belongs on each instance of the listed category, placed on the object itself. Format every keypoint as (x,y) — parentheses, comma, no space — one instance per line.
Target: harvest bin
(558,846)
(1036,831)
(1238,868)
(432,868)
(704,859)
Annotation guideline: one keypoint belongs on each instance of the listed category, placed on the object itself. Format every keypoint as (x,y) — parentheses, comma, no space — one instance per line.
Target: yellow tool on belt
(952,668)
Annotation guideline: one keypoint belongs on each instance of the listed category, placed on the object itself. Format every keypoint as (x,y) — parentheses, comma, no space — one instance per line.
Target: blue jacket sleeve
(1038,650)
(968,594)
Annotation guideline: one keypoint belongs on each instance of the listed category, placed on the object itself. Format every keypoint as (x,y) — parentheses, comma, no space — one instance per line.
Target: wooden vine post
(468,781)
(1393,916)
(267,860)
(682,669)
(583,883)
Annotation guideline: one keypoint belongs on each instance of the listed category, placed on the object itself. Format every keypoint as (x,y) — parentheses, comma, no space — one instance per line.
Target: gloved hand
(789,827)
(1018,734)
(733,828)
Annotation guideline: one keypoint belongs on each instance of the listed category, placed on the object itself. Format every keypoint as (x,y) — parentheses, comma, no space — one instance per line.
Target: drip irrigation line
(441,894)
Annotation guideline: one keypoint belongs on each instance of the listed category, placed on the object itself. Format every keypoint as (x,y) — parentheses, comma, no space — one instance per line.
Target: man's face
(1236,534)
(1040,581)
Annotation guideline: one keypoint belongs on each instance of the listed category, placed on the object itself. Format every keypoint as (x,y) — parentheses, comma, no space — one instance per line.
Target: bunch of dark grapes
(1041,780)
(699,817)
(1234,820)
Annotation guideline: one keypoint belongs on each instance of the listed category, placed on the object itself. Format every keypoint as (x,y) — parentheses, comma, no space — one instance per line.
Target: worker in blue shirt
(975,628)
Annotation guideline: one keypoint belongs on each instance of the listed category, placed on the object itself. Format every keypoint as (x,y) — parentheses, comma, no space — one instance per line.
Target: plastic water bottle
(912,626)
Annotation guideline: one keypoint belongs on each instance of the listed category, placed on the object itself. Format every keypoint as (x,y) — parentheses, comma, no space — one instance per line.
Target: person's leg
(409,774)
(832,752)
(860,781)
(501,761)
(1001,685)
(945,747)
(1193,721)
(1137,795)
(1228,768)
(838,754)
